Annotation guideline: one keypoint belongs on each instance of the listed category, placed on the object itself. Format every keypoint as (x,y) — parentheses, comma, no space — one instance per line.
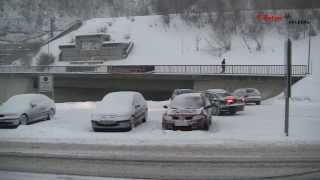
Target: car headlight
(12,116)
(167,117)
(200,116)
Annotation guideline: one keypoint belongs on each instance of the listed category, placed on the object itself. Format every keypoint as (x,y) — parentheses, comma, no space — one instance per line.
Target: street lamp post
(309,61)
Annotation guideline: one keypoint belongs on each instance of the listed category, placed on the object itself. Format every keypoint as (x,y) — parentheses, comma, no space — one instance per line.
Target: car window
(223,94)
(188,102)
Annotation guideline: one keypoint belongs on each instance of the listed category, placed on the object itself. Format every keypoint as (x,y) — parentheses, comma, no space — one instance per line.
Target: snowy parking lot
(257,124)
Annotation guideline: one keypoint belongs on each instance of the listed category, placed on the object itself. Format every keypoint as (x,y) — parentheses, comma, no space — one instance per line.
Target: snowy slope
(158,43)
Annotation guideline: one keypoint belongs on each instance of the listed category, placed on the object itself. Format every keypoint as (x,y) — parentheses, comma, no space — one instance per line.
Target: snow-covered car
(181,91)
(26,108)
(250,95)
(119,111)
(192,110)
(222,102)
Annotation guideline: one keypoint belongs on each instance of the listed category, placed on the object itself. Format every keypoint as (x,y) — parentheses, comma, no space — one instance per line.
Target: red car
(192,111)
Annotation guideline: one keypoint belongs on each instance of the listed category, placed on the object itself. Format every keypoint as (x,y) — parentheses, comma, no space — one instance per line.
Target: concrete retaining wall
(92,87)
(12,85)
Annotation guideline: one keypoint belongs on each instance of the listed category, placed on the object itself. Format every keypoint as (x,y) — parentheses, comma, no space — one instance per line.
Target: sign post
(46,85)
(288,53)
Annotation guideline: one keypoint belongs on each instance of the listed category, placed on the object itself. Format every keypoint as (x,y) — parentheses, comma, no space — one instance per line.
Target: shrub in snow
(26,60)
(45,59)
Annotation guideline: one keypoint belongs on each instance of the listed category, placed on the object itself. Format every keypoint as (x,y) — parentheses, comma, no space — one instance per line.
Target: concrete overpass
(91,83)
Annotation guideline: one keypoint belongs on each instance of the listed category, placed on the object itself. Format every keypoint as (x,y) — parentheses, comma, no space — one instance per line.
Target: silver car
(250,95)
(26,108)
(120,111)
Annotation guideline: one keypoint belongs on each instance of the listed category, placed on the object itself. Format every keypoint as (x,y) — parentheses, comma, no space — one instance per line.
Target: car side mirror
(33,105)
(209,106)
(165,106)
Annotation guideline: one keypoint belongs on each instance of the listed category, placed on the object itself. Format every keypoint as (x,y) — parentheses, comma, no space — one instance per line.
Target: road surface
(164,162)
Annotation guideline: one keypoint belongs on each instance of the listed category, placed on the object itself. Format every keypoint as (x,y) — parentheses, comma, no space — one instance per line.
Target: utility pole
(309,63)
(288,53)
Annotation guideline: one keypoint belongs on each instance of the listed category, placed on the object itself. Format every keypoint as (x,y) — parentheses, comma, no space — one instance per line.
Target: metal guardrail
(264,70)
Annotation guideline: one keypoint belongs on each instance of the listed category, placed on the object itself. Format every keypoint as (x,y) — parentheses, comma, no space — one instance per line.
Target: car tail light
(230,99)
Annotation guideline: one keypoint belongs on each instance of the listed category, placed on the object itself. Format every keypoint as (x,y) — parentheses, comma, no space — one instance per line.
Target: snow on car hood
(6,109)
(112,111)
(185,111)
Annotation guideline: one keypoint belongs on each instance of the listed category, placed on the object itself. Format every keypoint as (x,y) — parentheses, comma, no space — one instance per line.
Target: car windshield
(252,92)
(187,102)
(223,94)
(18,100)
(184,91)
(115,103)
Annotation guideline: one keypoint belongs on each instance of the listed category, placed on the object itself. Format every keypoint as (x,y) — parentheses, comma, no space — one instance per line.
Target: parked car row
(126,109)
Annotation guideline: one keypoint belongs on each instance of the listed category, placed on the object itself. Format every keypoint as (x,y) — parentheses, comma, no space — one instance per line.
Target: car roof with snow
(216,91)
(120,95)
(189,95)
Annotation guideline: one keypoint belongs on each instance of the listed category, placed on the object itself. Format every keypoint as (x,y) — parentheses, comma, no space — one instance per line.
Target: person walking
(223,65)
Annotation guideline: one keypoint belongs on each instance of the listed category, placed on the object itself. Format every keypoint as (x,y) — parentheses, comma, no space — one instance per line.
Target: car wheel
(50,114)
(24,119)
(233,112)
(258,102)
(145,117)
(215,111)
(206,126)
(131,125)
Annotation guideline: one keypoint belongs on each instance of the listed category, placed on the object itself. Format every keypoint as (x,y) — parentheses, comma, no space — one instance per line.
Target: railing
(264,70)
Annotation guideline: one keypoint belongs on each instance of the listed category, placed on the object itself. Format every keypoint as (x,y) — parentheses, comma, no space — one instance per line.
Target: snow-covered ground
(257,124)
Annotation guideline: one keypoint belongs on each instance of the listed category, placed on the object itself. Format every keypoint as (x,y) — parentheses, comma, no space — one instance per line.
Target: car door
(40,111)
(136,107)
(34,110)
(206,103)
(139,106)
(144,107)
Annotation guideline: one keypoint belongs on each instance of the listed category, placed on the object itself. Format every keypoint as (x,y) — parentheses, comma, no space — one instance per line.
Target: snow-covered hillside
(158,43)
(182,43)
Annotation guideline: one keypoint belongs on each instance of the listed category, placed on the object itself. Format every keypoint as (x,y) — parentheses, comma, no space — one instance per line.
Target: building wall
(12,85)
(92,87)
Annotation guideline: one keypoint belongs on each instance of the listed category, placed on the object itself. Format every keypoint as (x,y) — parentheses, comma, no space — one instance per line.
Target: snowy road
(257,124)
(160,162)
